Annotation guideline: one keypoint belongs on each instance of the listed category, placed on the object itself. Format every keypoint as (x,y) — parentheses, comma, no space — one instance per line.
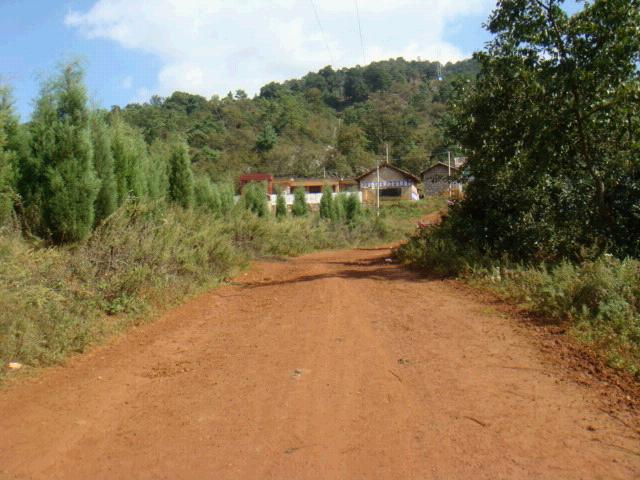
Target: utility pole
(378,186)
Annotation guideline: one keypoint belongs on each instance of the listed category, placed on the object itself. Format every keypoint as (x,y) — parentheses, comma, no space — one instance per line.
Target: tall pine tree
(130,156)
(9,138)
(181,177)
(64,175)
(107,199)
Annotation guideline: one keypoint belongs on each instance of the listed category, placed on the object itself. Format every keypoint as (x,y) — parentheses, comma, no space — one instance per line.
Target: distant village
(386,182)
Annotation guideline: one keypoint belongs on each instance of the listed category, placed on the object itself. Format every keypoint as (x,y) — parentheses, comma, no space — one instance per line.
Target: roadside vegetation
(99,224)
(550,217)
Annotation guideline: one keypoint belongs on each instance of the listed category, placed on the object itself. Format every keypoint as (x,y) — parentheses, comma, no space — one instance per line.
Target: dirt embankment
(337,365)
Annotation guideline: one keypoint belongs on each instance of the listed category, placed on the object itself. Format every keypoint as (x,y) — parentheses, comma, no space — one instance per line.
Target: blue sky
(133,49)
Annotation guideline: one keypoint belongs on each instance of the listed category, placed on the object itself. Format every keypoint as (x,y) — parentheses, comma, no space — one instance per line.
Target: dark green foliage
(207,195)
(352,208)
(286,130)
(327,209)
(299,207)
(180,177)
(227,200)
(107,199)
(339,204)
(281,205)
(552,129)
(130,157)
(65,177)
(267,139)
(254,197)
(9,149)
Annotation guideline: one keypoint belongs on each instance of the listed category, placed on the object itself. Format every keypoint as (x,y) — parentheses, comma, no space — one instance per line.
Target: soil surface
(337,365)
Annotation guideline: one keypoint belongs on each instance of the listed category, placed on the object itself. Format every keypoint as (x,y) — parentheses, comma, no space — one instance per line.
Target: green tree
(267,139)
(281,204)
(9,149)
(66,177)
(299,207)
(551,129)
(107,199)
(352,208)
(339,206)
(180,176)
(327,210)
(206,195)
(377,77)
(227,199)
(254,197)
(130,156)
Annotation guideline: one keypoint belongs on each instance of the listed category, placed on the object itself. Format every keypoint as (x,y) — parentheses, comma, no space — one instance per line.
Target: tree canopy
(552,128)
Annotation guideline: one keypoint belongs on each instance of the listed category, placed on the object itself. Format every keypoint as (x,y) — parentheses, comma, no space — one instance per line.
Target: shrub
(207,195)
(281,205)
(254,198)
(352,208)
(300,207)
(181,177)
(327,210)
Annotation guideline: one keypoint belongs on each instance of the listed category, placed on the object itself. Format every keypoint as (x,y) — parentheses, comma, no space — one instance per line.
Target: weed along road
(336,365)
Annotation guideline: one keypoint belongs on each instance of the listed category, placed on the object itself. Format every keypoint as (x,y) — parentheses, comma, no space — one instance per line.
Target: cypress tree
(9,133)
(227,199)
(299,207)
(352,208)
(255,198)
(66,176)
(339,206)
(206,195)
(327,210)
(107,199)
(181,177)
(130,160)
(281,204)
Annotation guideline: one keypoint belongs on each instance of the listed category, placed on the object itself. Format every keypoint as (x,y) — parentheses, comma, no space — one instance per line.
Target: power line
(324,38)
(364,56)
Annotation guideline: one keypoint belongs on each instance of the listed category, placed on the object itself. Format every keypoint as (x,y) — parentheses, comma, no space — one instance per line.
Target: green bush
(281,205)
(300,207)
(327,209)
(254,198)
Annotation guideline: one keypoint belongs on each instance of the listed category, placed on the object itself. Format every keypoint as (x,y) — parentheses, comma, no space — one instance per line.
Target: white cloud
(213,46)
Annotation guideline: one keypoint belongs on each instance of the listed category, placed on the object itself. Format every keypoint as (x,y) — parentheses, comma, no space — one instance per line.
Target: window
(391,192)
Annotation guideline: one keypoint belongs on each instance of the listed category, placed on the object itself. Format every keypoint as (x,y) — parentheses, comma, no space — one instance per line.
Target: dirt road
(331,366)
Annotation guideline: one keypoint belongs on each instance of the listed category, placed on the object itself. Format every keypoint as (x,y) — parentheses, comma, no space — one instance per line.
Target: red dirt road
(330,366)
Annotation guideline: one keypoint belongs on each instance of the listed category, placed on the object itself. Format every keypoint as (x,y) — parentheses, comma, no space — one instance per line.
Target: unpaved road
(330,366)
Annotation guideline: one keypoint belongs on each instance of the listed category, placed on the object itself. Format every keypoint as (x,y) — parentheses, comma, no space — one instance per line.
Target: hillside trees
(288,128)
(552,128)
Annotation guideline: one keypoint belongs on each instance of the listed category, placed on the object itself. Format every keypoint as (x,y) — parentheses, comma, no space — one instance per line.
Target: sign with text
(386,184)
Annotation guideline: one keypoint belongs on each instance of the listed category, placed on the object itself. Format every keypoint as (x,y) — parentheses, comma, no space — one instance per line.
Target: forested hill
(333,121)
